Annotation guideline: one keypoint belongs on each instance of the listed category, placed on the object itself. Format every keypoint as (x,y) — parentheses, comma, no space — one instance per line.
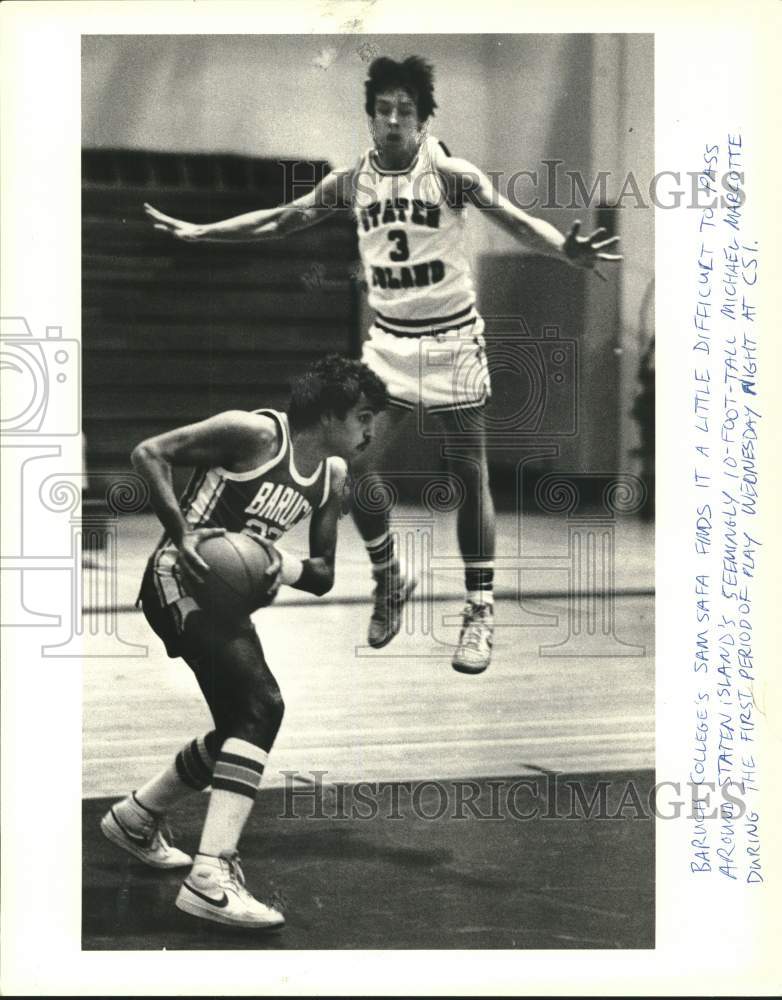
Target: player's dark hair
(414,75)
(333,385)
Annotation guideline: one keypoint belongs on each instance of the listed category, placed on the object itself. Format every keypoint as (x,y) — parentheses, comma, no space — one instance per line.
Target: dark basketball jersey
(266,501)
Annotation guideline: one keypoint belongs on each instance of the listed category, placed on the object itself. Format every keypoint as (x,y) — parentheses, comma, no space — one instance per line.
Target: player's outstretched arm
(267,223)
(465,181)
(220,441)
(239,228)
(316,574)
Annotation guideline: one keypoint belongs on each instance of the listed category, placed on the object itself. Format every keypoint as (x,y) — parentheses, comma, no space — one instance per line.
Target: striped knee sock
(194,763)
(382,554)
(235,780)
(190,771)
(479,581)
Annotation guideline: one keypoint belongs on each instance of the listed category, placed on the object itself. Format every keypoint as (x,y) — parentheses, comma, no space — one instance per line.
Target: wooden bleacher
(173,332)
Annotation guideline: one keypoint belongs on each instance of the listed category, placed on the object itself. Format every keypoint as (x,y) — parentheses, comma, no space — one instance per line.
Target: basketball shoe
(391,593)
(138,831)
(216,892)
(473,652)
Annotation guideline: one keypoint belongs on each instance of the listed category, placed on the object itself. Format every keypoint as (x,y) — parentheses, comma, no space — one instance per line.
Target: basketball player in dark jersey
(408,196)
(259,473)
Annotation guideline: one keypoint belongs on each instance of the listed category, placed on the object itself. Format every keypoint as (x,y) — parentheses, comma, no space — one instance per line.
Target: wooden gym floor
(430,872)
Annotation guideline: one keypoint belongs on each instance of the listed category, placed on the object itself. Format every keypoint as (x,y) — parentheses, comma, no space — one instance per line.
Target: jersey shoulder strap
(436,149)
(283,438)
(362,165)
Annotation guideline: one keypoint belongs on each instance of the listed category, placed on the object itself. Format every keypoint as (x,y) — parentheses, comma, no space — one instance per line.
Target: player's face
(353,434)
(395,124)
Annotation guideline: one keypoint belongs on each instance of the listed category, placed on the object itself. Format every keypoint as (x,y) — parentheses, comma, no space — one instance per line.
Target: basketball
(238,580)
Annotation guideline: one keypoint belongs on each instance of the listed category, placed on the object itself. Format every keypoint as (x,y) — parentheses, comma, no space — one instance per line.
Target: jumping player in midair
(258,473)
(408,195)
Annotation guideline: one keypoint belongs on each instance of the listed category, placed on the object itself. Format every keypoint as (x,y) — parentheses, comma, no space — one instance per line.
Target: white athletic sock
(236,778)
(205,867)
(382,554)
(132,814)
(481,597)
(190,771)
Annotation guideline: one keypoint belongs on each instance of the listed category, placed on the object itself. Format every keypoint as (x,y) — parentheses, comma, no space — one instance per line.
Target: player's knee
(263,714)
(274,706)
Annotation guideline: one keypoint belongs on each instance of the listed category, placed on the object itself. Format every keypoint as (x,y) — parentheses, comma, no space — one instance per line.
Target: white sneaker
(145,841)
(386,617)
(218,894)
(473,652)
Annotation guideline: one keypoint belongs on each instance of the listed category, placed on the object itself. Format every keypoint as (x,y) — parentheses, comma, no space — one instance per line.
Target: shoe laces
(475,628)
(234,864)
(156,830)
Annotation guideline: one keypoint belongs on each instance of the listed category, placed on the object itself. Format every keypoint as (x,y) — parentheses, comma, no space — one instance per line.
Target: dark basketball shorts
(168,622)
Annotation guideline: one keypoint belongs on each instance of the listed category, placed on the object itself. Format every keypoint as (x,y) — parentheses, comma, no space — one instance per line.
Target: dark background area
(205,127)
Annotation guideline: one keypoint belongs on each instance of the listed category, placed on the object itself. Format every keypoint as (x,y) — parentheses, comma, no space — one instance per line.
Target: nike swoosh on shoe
(221,903)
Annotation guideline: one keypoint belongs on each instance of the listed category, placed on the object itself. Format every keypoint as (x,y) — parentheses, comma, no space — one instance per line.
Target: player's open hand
(586,251)
(272,577)
(177,228)
(191,566)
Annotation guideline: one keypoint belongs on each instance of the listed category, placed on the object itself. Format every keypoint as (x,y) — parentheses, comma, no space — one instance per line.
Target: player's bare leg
(247,708)
(392,586)
(466,457)
(137,822)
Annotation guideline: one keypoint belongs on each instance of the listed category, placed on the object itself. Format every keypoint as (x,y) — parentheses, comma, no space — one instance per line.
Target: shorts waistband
(426,327)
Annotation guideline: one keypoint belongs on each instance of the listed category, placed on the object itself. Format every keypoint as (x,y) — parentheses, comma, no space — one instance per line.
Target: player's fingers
(610,256)
(201,567)
(190,574)
(597,234)
(574,229)
(209,533)
(152,212)
(606,243)
(164,227)
(156,214)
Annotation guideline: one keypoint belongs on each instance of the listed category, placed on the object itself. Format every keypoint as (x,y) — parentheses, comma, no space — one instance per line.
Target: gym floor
(405,805)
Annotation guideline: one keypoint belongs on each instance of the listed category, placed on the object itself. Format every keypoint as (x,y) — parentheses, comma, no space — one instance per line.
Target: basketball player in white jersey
(409,195)
(258,473)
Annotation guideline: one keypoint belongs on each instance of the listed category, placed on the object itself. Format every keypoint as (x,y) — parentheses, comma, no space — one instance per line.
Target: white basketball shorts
(439,371)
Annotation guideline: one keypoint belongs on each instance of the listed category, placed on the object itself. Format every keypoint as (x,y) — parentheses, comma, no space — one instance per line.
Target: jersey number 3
(402,251)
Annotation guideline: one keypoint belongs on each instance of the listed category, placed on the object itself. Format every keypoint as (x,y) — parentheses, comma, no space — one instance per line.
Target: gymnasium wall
(507,102)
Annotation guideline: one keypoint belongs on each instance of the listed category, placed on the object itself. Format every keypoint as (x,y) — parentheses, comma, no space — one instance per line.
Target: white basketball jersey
(412,243)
